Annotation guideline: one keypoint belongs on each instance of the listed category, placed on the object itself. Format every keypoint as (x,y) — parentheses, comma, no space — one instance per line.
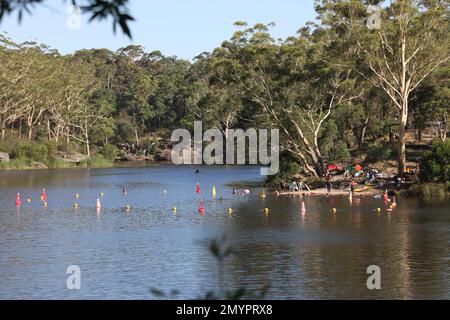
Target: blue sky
(183,28)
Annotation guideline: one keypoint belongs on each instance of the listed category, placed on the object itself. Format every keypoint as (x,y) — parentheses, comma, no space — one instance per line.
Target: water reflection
(312,253)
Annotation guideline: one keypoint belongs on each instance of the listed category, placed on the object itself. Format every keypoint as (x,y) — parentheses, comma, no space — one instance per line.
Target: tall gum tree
(410,42)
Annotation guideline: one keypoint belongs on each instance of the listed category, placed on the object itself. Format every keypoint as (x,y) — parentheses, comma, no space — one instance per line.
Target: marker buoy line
(44,195)
(18,201)
(98,205)
(198,188)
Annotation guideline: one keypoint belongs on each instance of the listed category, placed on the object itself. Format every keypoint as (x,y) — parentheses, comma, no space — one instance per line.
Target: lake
(123,254)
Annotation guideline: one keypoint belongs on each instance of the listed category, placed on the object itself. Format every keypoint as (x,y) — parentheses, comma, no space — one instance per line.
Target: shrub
(435,165)
(109,152)
(97,161)
(149,144)
(340,152)
(380,151)
(427,190)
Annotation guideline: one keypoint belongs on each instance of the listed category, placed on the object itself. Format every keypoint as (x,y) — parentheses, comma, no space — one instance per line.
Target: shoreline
(335,192)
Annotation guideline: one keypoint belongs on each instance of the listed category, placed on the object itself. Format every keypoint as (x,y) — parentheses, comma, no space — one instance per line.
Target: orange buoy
(202,207)
(18,202)
(44,195)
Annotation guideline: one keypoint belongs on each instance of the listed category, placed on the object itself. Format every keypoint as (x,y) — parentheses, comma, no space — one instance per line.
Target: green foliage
(289,168)
(124,132)
(427,190)
(15,164)
(435,165)
(340,152)
(148,145)
(380,150)
(109,152)
(37,152)
(97,161)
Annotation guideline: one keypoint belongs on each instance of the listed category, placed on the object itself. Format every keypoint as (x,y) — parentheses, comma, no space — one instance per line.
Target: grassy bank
(17,164)
(428,190)
(47,155)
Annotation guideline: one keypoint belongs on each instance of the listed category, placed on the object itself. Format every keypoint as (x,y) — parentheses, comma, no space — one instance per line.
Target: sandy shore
(335,192)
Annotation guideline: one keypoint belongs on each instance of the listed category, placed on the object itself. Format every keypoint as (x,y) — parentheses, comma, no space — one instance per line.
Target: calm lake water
(122,255)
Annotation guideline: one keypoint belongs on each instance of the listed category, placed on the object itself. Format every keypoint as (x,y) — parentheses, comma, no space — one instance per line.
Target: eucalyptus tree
(291,85)
(408,44)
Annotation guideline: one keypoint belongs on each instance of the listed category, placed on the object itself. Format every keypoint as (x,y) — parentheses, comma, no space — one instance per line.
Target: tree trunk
(403,119)
(137,137)
(20,129)
(88,149)
(362,139)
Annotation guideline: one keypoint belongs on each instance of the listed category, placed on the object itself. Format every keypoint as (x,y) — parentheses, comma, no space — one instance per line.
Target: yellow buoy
(29,200)
(266,210)
(174,209)
(101,194)
(378,210)
(45,204)
(263,194)
(127,208)
(75,205)
(230,210)
(214,193)
(334,210)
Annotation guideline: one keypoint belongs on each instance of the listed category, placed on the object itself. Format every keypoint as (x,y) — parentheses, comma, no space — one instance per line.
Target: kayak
(363,189)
